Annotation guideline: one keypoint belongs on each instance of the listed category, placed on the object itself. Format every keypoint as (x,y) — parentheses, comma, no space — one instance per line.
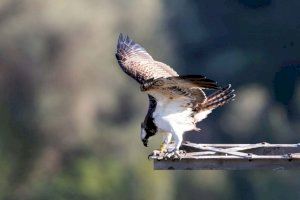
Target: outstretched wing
(137,63)
(180,86)
(188,81)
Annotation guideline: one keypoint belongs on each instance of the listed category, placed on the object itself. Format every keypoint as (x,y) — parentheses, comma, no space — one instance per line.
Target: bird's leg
(166,140)
(163,147)
(175,153)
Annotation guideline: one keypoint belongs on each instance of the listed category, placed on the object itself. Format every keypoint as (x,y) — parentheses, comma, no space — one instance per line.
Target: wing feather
(166,68)
(181,86)
(180,82)
(138,63)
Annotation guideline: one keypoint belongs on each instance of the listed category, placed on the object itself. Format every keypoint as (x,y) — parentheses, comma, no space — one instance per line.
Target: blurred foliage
(70,118)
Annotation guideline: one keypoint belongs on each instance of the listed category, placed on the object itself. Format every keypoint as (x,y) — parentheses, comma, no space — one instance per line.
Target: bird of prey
(176,103)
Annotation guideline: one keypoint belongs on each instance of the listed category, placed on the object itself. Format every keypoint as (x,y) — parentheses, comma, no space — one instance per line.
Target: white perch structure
(233,157)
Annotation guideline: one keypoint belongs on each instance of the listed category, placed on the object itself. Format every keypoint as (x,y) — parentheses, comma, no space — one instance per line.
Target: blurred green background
(70,118)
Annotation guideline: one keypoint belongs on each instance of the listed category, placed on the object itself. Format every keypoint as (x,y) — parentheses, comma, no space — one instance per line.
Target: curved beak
(145,142)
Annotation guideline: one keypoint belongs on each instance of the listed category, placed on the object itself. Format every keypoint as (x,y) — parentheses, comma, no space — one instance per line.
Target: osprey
(176,103)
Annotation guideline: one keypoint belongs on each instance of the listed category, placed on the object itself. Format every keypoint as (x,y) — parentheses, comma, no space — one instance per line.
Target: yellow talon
(163,148)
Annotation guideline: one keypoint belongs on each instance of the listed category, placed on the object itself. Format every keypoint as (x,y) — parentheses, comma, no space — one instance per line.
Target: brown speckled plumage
(138,64)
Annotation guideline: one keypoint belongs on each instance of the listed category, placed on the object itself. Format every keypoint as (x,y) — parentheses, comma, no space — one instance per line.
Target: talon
(150,155)
(182,152)
(174,154)
(158,154)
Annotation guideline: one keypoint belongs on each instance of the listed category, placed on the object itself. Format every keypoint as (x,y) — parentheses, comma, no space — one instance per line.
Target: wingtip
(125,43)
(127,39)
(124,39)
(120,38)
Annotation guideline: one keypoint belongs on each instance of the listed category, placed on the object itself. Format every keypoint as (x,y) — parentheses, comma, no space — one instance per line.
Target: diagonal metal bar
(232,149)
(220,150)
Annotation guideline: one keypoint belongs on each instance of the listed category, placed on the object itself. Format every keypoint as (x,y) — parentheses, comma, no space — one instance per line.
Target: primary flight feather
(176,103)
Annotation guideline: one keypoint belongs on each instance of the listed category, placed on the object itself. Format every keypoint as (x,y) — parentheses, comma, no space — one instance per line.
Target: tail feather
(218,94)
(218,98)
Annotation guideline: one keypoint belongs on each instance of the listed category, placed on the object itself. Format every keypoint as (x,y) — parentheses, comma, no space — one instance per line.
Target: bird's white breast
(173,116)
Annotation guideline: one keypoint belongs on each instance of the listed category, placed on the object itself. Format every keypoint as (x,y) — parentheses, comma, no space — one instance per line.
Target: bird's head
(146,132)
